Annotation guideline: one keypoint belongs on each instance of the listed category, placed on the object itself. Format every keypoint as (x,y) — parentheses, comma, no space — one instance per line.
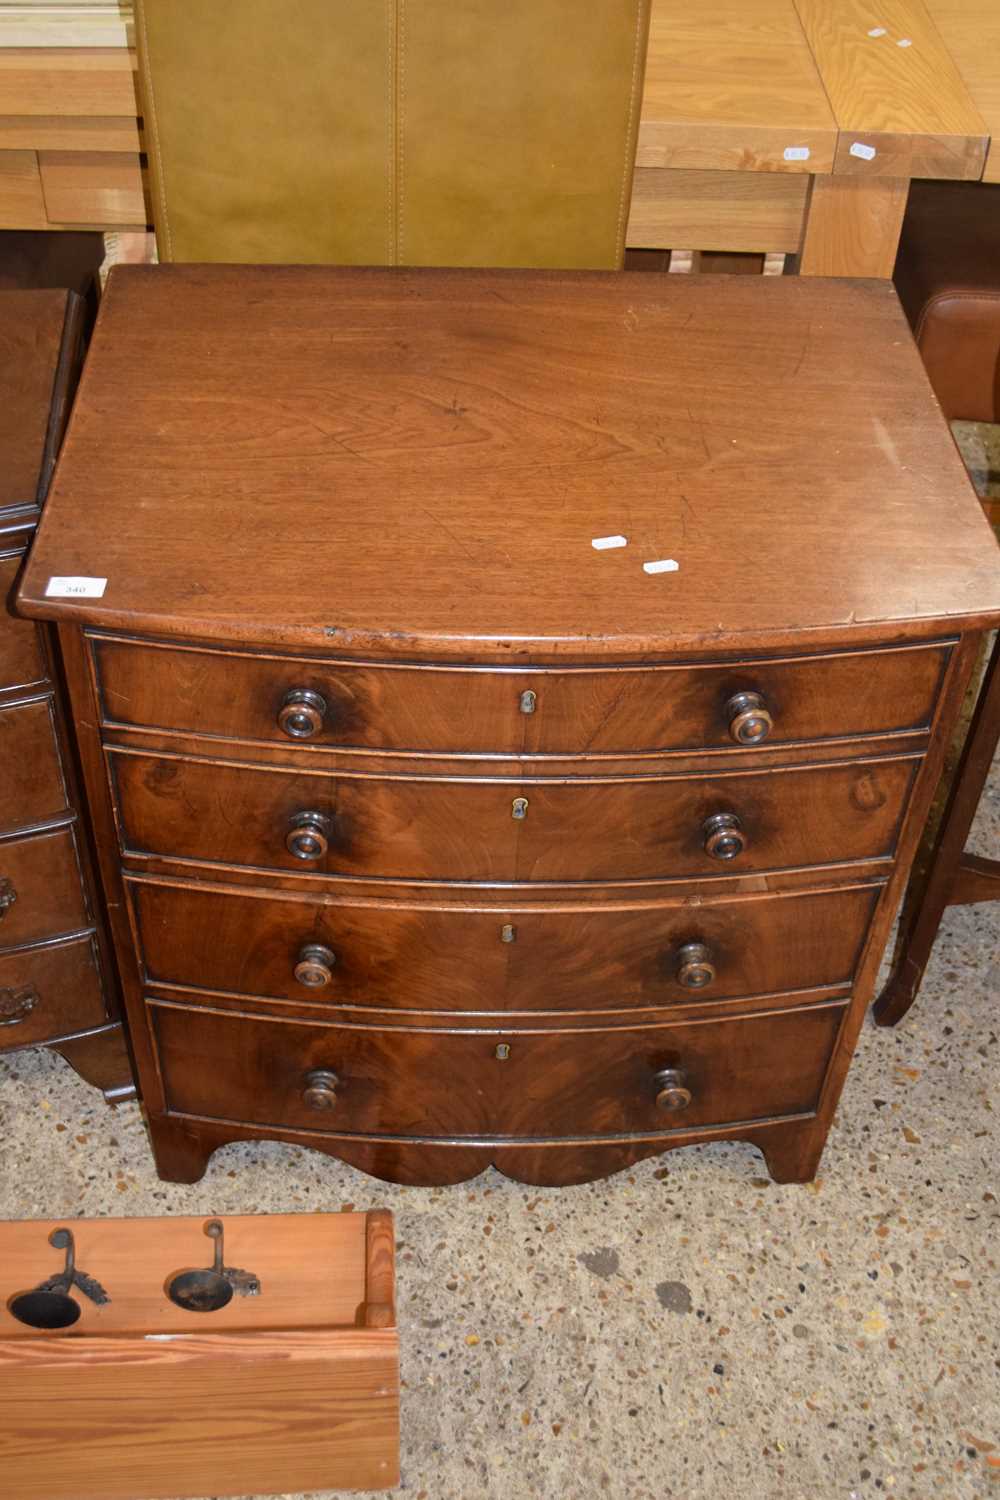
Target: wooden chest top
(417,463)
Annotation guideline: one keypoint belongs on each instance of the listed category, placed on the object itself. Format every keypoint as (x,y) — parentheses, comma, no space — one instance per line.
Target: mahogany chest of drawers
(510,701)
(56,980)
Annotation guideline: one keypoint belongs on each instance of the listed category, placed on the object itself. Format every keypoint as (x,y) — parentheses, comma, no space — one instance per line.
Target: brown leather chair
(948,279)
(392,132)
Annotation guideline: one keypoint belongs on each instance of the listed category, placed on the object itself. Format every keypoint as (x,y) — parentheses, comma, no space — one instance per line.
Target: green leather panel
(414,132)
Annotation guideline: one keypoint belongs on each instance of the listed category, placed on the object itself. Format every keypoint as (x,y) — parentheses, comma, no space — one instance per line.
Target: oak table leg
(953,878)
(852,225)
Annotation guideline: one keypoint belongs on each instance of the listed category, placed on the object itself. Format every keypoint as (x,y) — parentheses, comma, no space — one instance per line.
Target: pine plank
(732,85)
(22,204)
(93,187)
(758,211)
(68,81)
(971,32)
(906,103)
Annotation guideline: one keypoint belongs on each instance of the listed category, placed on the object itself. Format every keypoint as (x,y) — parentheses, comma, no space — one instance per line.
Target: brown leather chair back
(392,132)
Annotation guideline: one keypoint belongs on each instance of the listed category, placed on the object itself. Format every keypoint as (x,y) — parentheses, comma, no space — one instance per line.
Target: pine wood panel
(730,85)
(68,81)
(93,187)
(679,411)
(907,103)
(115,133)
(296,1388)
(22,203)
(716,210)
(971,32)
(133,1259)
(853,226)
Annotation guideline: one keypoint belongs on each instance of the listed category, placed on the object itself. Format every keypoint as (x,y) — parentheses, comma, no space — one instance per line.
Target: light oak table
(785,126)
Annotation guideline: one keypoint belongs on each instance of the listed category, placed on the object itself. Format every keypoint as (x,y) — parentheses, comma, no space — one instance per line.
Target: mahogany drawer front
(462,829)
(377,956)
(22,661)
(41,893)
(31,787)
(48,992)
(448,1084)
(566,711)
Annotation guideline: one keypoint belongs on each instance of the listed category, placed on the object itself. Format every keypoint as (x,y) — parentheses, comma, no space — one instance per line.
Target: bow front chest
(510,701)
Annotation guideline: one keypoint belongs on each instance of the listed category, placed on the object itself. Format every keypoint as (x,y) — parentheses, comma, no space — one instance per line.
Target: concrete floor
(686,1329)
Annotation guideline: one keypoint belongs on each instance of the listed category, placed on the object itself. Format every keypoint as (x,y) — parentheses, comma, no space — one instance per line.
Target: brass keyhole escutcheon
(528,701)
(503,1051)
(508,933)
(519,808)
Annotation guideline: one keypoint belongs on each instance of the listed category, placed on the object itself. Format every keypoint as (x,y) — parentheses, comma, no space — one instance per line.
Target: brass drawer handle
(16,1005)
(724,836)
(319,1089)
(302,713)
(308,835)
(314,967)
(672,1092)
(750,721)
(8,895)
(695,969)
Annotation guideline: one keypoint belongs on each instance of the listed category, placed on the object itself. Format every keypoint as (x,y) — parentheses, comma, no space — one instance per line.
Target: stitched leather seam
(400,122)
(147,79)
(390,126)
(636,47)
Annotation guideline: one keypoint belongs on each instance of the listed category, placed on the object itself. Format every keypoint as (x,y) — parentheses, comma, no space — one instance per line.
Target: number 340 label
(75,588)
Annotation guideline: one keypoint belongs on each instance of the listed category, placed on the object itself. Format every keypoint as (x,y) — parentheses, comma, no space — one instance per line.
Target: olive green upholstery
(411,132)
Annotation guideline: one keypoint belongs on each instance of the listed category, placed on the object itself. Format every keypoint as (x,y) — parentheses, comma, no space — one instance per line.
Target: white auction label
(866,153)
(796,153)
(75,588)
(665,565)
(602,543)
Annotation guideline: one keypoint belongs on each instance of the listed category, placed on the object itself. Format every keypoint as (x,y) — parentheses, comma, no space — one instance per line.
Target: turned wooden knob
(671,1089)
(301,713)
(749,720)
(308,835)
(724,836)
(319,1089)
(314,966)
(695,968)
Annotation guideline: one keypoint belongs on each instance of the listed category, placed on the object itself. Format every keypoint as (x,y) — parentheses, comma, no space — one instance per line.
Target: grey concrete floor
(686,1329)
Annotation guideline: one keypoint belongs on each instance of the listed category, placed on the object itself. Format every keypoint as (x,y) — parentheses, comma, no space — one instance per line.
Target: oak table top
(417,463)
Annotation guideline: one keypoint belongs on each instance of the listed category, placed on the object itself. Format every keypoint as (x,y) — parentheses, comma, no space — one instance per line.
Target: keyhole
(519,807)
(503,1051)
(528,701)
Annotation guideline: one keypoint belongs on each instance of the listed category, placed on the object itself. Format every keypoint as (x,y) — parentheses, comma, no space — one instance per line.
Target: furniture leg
(952,878)
(852,225)
(101,1058)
